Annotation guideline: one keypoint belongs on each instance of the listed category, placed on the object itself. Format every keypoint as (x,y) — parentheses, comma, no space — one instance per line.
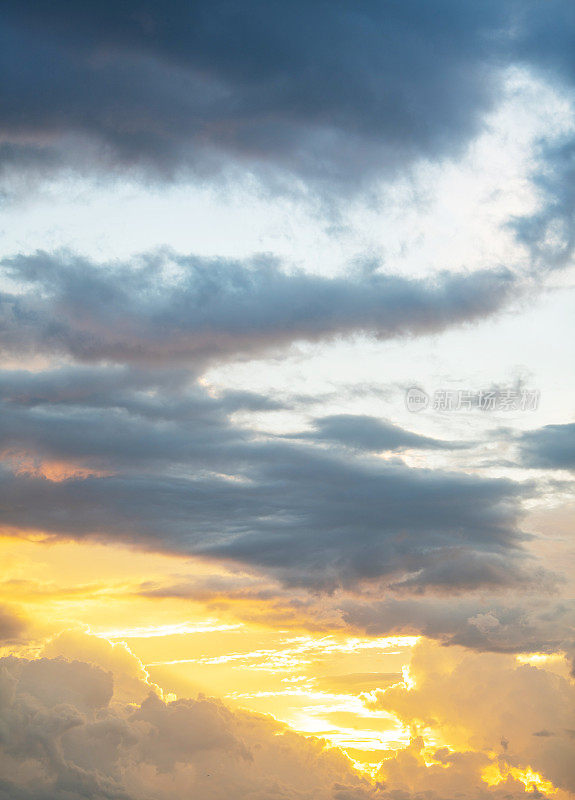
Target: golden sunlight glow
(316,681)
(150,631)
(407,679)
(313,681)
(539,658)
(533,781)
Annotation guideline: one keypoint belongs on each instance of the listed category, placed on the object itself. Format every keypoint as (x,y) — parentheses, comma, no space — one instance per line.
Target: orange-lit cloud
(519,715)
(56,471)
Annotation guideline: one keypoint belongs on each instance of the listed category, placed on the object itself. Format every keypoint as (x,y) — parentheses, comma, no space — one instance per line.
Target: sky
(287,438)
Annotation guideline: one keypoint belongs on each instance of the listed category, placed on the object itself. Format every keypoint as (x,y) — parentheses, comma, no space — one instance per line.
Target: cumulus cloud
(169,309)
(442,772)
(129,679)
(63,734)
(509,704)
(73,735)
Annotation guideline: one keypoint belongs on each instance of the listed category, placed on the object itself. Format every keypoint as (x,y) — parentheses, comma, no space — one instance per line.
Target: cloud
(129,679)
(150,458)
(539,623)
(551,447)
(370,434)
(521,618)
(509,702)
(307,517)
(201,86)
(549,233)
(99,420)
(169,309)
(544,42)
(124,454)
(73,736)
(207,89)
(12,625)
(68,738)
(442,772)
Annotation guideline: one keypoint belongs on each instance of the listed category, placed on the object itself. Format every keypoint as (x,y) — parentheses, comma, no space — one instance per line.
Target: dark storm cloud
(214,308)
(361,432)
(551,447)
(329,91)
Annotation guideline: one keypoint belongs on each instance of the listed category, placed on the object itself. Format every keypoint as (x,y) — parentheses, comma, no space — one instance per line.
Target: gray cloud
(108,418)
(370,434)
(551,447)
(207,87)
(309,517)
(541,623)
(205,84)
(214,309)
(168,469)
(549,233)
(544,42)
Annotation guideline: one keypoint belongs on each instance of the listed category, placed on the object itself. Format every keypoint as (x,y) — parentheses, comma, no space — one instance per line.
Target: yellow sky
(311,680)
(324,681)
